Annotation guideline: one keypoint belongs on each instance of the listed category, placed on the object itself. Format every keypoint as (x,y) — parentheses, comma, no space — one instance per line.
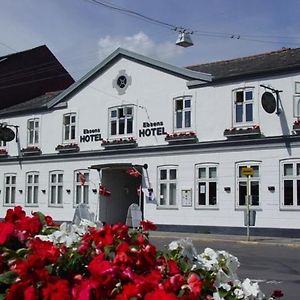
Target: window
(9,189)
(182,113)
(206,185)
(290,178)
(243,106)
(242,185)
(56,188)
(121,120)
(32,187)
(33,131)
(167,186)
(69,133)
(81,187)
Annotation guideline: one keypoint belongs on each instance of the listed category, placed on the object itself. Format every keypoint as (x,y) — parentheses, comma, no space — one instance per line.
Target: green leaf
(2,296)
(8,277)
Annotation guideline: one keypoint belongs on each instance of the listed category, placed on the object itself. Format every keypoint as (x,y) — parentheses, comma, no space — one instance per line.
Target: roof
(122,53)
(36,104)
(274,62)
(29,74)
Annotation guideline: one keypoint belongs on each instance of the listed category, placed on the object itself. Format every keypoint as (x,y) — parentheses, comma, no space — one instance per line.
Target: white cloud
(140,43)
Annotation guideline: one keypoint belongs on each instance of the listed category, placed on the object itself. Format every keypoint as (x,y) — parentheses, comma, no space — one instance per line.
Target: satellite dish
(6,134)
(268,102)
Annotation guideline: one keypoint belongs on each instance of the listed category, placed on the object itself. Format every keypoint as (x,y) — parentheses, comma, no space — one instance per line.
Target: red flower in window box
(130,141)
(31,150)
(3,152)
(67,148)
(242,131)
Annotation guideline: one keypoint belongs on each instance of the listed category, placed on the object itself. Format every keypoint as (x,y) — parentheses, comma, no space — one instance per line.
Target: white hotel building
(188,131)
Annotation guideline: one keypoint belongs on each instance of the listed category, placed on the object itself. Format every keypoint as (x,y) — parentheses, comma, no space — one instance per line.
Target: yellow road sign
(246,171)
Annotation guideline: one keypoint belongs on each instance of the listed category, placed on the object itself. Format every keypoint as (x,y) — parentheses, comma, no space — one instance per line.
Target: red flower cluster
(111,262)
(121,141)
(181,134)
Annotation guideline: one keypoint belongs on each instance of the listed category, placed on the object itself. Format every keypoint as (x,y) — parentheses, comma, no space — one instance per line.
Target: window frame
(184,110)
(294,177)
(244,179)
(207,180)
(84,188)
(35,132)
(168,182)
(71,125)
(34,186)
(57,185)
(12,187)
(117,119)
(245,102)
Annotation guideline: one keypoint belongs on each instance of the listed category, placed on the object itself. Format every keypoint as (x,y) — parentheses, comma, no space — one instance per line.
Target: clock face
(268,102)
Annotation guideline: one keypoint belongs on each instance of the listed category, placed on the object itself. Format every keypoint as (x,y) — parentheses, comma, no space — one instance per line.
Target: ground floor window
(56,188)
(241,184)
(167,186)
(206,185)
(290,181)
(81,187)
(32,187)
(9,189)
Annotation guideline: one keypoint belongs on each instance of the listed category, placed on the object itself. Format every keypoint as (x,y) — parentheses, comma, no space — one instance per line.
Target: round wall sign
(6,134)
(268,102)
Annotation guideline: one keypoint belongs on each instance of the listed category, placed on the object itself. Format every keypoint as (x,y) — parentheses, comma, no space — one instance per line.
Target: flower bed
(39,260)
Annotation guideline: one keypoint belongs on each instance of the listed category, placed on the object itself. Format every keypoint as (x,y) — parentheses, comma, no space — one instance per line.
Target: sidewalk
(254,240)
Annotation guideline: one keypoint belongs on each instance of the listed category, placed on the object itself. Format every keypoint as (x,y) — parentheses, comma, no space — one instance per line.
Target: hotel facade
(175,141)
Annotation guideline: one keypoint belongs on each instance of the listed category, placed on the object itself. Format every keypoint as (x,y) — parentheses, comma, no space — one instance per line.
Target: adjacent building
(176,141)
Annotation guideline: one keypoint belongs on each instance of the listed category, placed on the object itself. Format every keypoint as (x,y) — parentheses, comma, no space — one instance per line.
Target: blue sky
(81,33)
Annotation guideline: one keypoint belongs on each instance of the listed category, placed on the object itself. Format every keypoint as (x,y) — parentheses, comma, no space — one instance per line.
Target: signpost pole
(248,208)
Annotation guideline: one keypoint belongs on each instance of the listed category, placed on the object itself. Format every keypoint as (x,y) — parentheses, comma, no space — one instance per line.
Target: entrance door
(124,190)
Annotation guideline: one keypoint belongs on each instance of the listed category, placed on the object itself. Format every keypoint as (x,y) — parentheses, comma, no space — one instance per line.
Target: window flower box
(67,148)
(31,150)
(119,143)
(3,152)
(253,131)
(181,137)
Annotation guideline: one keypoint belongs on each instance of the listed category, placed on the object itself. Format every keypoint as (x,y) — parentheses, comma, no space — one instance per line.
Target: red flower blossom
(277,294)
(58,289)
(46,250)
(6,231)
(148,225)
(195,284)
(160,294)
(21,290)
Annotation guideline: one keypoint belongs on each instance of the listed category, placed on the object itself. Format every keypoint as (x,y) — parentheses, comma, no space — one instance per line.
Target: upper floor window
(69,127)
(290,184)
(206,185)
(9,189)
(243,106)
(182,113)
(81,187)
(167,186)
(33,128)
(56,188)
(121,120)
(242,181)
(32,188)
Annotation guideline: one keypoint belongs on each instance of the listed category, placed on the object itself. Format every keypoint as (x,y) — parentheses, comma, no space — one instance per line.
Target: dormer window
(121,120)
(243,106)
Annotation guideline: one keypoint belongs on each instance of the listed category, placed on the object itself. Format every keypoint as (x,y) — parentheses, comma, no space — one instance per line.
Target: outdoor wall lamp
(94,191)
(44,191)
(227,189)
(68,191)
(271,188)
(21,191)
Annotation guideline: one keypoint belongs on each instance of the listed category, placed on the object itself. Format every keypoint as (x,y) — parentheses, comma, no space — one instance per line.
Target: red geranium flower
(21,290)
(58,289)
(277,294)
(148,225)
(6,231)
(161,295)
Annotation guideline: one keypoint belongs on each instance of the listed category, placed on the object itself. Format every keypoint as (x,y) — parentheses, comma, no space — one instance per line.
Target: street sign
(246,171)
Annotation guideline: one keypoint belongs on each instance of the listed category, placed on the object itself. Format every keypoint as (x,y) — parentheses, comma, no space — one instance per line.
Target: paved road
(273,263)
